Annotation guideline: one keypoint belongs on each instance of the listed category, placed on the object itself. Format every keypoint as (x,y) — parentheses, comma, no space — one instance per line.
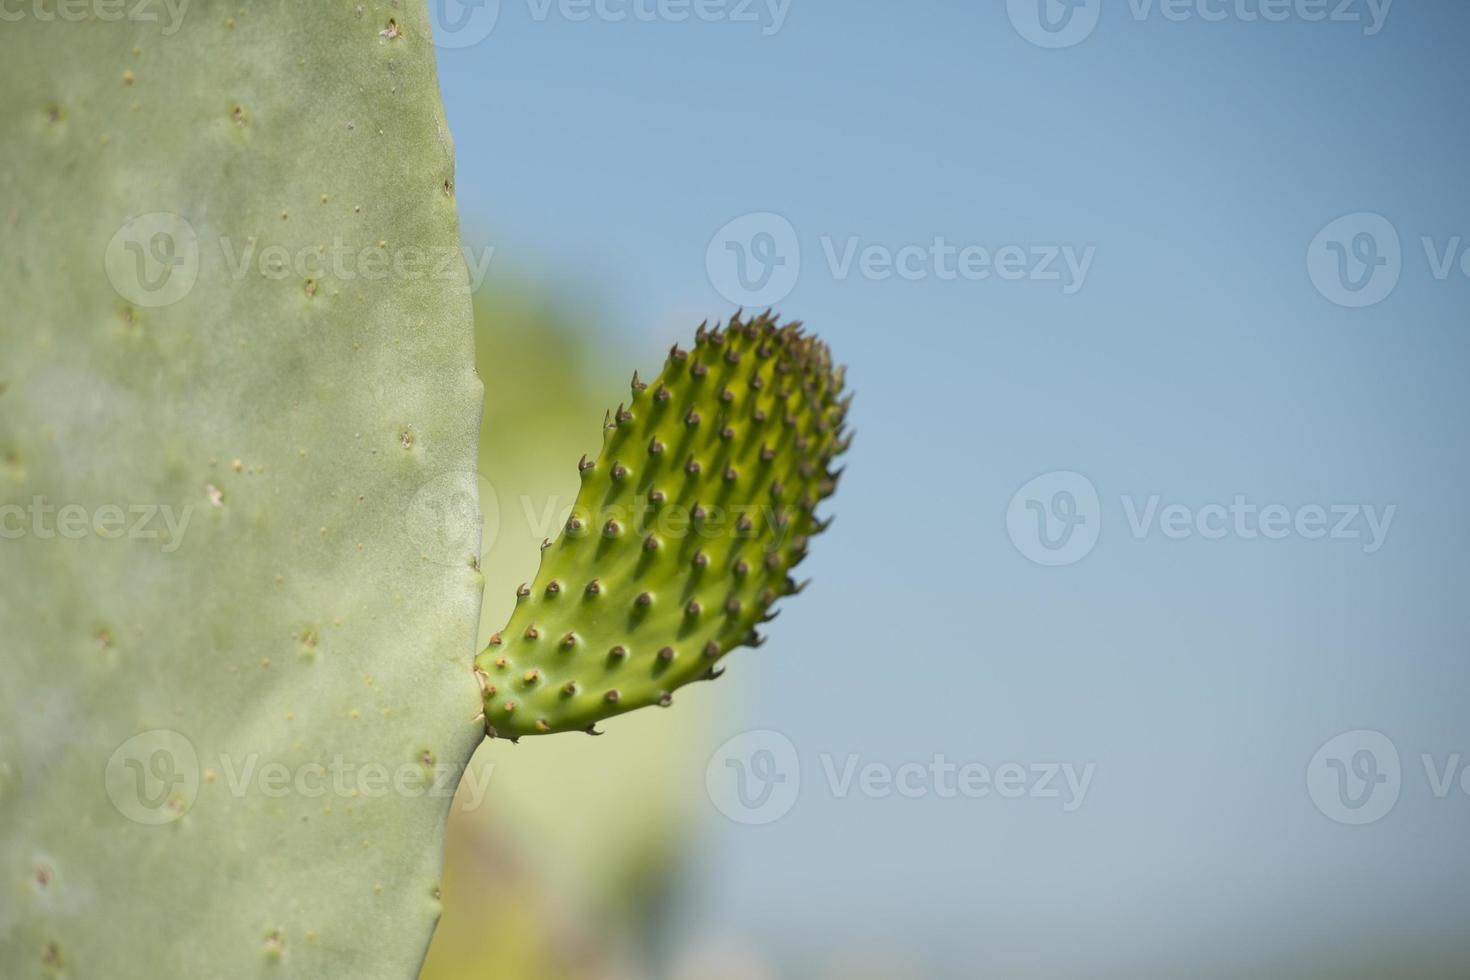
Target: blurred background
(1139,645)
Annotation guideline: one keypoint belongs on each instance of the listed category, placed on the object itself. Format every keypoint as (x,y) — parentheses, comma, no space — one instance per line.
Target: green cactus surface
(229,739)
(683,535)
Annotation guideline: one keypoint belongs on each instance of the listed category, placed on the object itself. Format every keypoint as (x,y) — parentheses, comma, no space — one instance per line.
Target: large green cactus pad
(303,614)
(684,534)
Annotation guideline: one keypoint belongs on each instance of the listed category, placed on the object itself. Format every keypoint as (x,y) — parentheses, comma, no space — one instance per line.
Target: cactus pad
(683,535)
(295,665)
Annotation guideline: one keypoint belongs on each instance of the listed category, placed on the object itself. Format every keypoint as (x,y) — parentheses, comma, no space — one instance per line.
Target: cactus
(292,618)
(683,536)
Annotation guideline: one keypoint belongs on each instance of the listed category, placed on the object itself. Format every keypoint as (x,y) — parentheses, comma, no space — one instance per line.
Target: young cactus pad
(682,537)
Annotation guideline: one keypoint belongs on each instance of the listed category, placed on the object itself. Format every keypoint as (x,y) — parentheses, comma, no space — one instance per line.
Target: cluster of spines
(685,531)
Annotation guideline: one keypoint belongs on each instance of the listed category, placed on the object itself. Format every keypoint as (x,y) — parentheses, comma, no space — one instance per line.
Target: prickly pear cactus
(237,499)
(683,536)
(236,389)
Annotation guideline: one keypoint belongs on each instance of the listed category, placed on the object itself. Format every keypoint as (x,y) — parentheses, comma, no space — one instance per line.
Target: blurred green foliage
(562,870)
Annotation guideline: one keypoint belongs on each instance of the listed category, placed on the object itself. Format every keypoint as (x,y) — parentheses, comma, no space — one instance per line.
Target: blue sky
(1193,161)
